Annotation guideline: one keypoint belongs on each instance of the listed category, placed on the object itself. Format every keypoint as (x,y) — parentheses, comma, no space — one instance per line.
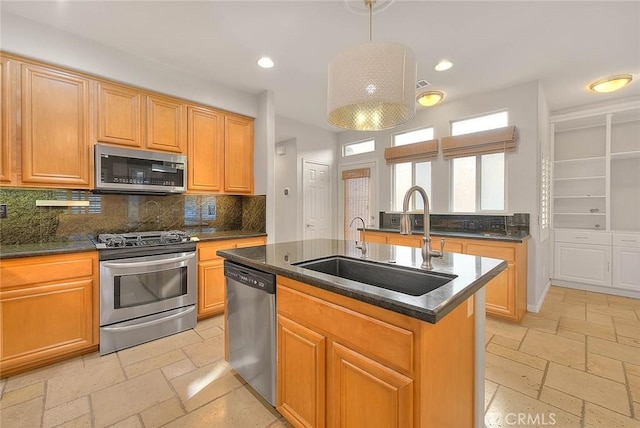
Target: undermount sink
(400,279)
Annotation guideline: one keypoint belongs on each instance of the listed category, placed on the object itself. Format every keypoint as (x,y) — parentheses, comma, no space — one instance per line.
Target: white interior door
(317,200)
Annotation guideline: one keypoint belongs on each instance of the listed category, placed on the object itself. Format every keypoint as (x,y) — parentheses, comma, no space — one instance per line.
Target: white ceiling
(492,44)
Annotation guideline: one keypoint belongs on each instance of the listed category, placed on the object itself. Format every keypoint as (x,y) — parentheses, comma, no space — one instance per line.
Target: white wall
(522,165)
(311,143)
(263,157)
(286,176)
(34,40)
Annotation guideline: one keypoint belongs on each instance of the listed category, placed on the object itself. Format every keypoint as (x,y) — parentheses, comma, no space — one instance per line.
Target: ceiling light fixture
(372,86)
(443,65)
(611,83)
(265,62)
(430,98)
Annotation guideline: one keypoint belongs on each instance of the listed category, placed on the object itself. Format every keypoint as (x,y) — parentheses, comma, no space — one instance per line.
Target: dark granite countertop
(472,273)
(85,244)
(469,235)
(46,248)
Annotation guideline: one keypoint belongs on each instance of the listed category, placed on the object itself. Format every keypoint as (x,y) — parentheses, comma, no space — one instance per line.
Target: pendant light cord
(369,4)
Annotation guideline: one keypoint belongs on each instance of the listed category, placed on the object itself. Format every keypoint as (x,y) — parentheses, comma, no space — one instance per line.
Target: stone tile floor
(574,364)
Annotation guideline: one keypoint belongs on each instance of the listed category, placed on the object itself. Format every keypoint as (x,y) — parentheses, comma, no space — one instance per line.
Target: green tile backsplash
(27,223)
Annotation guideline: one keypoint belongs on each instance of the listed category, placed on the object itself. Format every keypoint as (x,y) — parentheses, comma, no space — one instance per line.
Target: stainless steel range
(147,287)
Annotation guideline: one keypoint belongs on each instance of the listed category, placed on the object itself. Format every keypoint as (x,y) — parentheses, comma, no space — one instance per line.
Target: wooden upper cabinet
(55,128)
(120,115)
(165,124)
(205,149)
(238,154)
(7,122)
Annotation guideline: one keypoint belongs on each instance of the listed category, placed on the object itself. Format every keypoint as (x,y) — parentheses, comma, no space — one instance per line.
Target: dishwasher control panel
(250,277)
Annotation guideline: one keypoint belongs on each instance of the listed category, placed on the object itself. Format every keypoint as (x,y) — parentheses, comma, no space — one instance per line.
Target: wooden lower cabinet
(211,297)
(301,373)
(352,376)
(346,363)
(49,309)
(507,293)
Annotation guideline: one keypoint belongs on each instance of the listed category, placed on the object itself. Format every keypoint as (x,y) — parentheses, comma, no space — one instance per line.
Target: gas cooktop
(141,239)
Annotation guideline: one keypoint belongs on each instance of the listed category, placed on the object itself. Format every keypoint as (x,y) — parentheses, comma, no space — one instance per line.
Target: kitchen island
(354,354)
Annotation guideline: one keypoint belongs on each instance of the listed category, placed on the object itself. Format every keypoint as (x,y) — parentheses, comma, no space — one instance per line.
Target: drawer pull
(582,237)
(629,240)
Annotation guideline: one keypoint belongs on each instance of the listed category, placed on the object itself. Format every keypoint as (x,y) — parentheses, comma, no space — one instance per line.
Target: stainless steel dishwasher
(251,326)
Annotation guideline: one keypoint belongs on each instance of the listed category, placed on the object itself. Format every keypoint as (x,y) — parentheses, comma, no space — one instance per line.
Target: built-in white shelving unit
(596,198)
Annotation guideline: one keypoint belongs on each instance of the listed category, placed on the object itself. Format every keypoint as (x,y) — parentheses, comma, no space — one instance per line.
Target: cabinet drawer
(35,270)
(583,237)
(394,345)
(626,240)
(504,253)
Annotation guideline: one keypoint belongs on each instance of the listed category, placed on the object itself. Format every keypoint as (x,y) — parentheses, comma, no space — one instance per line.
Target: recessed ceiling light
(265,62)
(611,83)
(430,98)
(443,65)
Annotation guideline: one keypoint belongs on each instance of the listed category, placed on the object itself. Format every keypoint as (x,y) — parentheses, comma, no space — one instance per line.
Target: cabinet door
(301,374)
(119,115)
(55,128)
(364,393)
(589,264)
(205,149)
(210,288)
(238,154)
(626,268)
(500,297)
(7,121)
(250,242)
(165,124)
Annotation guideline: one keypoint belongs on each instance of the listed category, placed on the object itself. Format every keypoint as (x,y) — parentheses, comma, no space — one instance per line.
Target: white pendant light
(372,86)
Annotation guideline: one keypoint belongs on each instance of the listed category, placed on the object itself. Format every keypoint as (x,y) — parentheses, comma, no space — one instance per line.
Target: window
(407,174)
(358,148)
(357,199)
(478,182)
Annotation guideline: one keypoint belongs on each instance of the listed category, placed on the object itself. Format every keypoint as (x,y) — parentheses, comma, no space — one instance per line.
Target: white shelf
(595,177)
(625,155)
(577,160)
(579,197)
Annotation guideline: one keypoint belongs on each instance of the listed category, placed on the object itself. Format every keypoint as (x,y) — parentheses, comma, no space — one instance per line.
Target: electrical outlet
(3,210)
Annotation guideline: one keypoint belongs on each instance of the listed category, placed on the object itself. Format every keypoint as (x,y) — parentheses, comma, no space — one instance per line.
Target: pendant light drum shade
(372,87)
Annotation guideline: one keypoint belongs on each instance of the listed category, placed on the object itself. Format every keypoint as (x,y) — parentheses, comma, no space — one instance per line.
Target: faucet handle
(441,252)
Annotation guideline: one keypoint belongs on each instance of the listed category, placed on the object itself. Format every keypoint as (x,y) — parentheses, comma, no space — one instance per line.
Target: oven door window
(144,288)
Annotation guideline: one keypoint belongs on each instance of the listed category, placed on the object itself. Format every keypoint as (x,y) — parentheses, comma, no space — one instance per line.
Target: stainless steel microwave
(123,170)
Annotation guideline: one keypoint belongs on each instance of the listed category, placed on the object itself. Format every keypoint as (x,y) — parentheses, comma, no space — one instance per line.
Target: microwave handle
(145,264)
(148,323)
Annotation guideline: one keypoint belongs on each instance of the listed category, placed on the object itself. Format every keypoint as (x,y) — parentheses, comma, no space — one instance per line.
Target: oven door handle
(145,264)
(152,322)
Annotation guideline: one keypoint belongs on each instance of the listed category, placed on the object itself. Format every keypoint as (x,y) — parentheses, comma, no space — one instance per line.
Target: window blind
(423,150)
(480,143)
(356,199)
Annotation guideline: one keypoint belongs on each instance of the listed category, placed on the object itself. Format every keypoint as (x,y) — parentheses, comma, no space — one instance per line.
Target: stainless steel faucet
(363,245)
(405,227)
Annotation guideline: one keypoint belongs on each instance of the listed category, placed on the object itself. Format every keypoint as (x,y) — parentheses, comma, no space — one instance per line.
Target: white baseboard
(536,307)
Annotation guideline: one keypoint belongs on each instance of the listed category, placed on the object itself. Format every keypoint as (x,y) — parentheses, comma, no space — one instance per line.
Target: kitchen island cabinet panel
(301,373)
(55,128)
(383,369)
(365,393)
(49,309)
